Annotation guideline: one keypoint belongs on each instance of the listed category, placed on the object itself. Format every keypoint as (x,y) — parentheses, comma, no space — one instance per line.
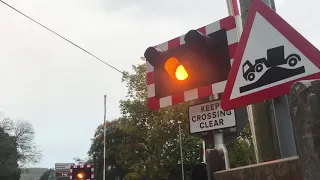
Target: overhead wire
(97,58)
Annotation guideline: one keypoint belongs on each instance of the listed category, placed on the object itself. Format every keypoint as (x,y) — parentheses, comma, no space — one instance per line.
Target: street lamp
(181,155)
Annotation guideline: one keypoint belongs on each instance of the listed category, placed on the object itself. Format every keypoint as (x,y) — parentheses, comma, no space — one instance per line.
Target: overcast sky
(60,89)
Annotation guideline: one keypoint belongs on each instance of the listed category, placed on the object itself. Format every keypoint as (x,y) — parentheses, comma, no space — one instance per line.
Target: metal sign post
(219,143)
(62,170)
(218,139)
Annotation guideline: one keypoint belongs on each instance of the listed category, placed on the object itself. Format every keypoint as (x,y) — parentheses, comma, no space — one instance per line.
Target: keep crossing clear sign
(210,116)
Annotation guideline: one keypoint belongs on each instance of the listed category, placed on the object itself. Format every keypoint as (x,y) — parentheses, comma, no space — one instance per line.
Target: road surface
(32,173)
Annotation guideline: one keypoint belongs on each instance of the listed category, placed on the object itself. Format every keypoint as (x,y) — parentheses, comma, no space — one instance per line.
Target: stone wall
(283,169)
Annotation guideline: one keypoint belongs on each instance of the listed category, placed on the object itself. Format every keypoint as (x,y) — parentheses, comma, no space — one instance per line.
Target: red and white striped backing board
(82,166)
(228,23)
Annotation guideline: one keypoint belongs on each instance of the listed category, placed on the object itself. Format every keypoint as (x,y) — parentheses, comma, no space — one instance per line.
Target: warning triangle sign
(270,57)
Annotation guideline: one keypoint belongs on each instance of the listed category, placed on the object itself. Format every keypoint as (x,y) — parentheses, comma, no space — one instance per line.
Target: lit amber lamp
(175,69)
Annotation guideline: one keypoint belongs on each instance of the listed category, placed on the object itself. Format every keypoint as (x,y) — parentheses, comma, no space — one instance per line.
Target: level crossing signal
(81,174)
(202,60)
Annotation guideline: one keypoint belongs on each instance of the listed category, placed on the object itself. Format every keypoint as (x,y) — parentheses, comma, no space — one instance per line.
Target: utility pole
(262,124)
(270,120)
(104,138)
(280,110)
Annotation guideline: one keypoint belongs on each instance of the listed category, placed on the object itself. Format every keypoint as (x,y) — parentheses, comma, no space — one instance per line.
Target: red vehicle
(275,57)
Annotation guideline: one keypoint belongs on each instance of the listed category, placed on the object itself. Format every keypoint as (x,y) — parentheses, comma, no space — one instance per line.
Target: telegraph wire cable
(61,36)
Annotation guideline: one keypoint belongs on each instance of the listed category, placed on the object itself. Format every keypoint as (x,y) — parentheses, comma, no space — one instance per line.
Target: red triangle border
(290,34)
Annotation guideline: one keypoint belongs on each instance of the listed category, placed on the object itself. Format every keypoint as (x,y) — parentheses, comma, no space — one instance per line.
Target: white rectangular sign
(210,116)
(62,166)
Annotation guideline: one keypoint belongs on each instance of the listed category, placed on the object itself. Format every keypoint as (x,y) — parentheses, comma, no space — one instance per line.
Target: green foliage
(144,144)
(16,145)
(114,141)
(23,135)
(9,156)
(241,152)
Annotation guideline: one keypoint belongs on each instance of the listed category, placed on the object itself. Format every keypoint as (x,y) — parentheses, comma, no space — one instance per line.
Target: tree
(9,156)
(157,136)
(113,145)
(241,152)
(145,144)
(23,135)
